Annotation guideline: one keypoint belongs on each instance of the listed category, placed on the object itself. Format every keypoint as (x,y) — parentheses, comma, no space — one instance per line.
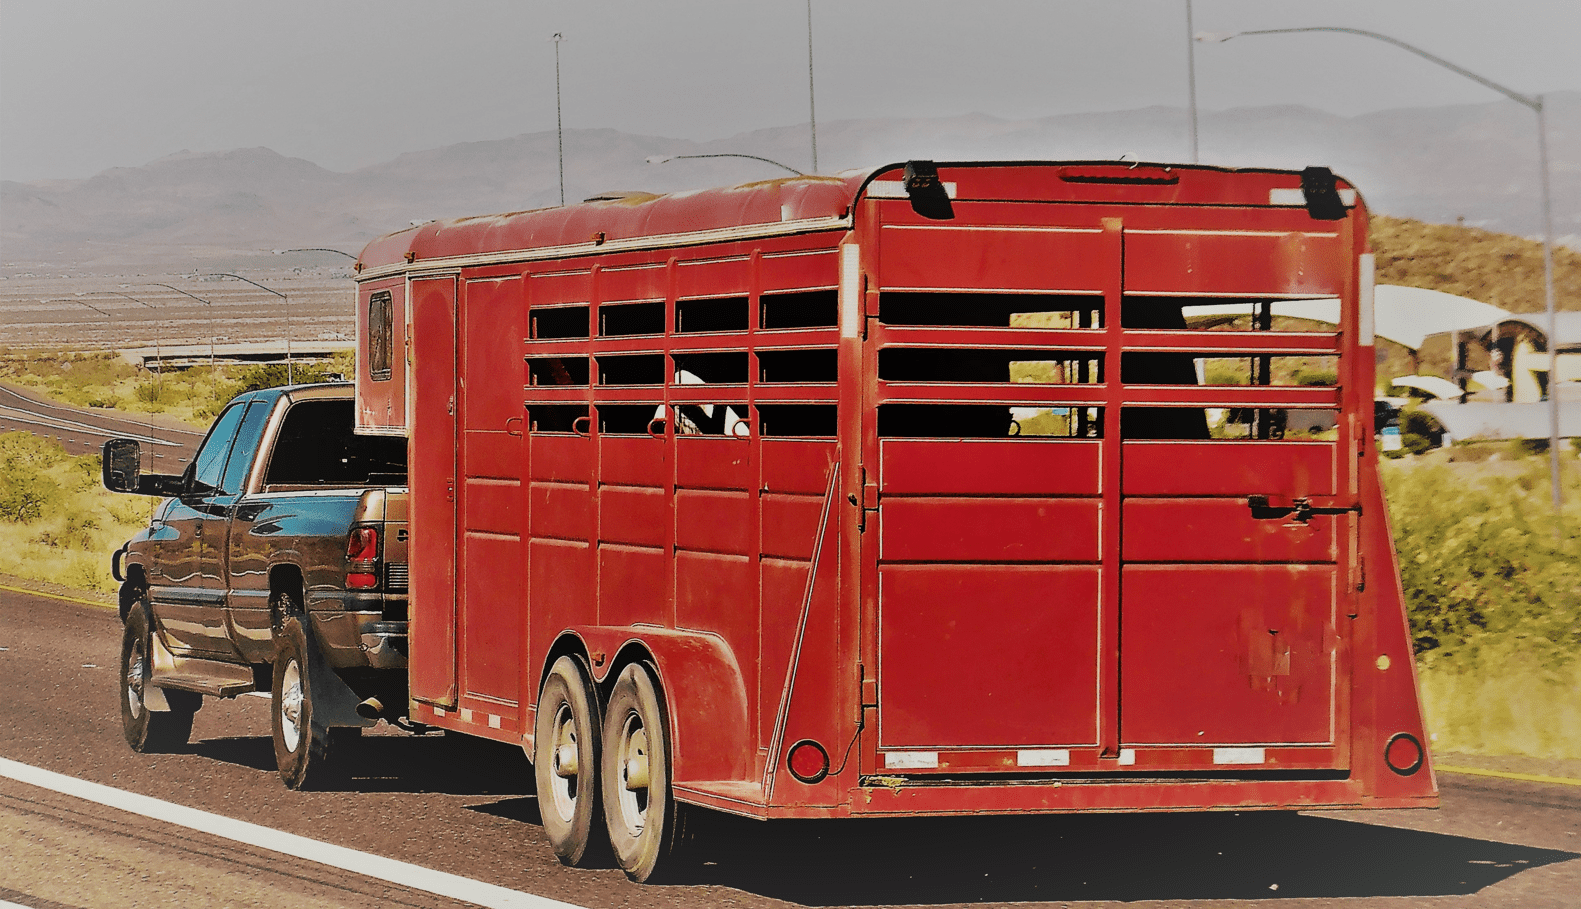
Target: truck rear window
(317,447)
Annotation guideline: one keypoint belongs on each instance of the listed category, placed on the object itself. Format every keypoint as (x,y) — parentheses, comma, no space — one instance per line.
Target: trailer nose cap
(1404,753)
(808,761)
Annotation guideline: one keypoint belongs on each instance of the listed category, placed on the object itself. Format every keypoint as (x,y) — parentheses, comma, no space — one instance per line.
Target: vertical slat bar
(1110,491)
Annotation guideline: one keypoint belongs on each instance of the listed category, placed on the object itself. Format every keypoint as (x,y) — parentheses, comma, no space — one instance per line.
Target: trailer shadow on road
(1114,857)
(928,861)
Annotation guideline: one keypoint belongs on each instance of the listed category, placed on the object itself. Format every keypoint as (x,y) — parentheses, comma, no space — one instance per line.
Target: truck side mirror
(122,460)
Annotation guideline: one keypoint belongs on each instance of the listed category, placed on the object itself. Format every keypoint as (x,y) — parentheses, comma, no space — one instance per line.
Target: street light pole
(1191,81)
(665,159)
(559,122)
(290,374)
(159,357)
(200,300)
(812,106)
(1535,102)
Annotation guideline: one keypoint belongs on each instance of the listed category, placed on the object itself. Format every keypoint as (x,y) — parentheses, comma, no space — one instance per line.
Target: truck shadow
(398,763)
(1114,857)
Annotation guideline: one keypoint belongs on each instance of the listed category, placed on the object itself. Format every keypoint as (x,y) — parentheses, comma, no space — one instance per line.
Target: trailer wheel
(150,731)
(644,821)
(565,762)
(301,743)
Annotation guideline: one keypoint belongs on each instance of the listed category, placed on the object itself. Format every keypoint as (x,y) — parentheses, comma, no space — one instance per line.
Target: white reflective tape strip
(1043,757)
(1127,756)
(494,721)
(896,189)
(376,867)
(439,711)
(1297,197)
(1366,315)
(850,290)
(910,760)
(466,714)
(1237,755)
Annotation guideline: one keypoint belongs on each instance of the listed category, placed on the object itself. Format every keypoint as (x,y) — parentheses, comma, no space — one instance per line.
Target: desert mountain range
(1472,162)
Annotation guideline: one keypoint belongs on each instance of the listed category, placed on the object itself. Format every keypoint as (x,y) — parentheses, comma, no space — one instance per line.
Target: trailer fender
(700,680)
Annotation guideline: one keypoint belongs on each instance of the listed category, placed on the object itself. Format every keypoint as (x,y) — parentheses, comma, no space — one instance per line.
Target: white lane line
(415,877)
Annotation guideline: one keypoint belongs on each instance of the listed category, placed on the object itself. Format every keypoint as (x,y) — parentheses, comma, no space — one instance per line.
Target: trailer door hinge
(869,687)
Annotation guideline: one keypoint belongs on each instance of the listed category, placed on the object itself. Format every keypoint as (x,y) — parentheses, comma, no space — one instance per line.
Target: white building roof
(1404,315)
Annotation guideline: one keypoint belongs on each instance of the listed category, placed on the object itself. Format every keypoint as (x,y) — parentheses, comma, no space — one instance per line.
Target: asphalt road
(466,808)
(166,447)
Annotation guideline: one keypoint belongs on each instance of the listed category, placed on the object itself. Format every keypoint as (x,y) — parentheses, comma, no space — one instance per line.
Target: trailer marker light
(807,761)
(1404,754)
(911,760)
(1043,757)
(1237,755)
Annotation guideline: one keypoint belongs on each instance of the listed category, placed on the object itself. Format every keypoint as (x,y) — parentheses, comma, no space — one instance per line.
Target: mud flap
(334,703)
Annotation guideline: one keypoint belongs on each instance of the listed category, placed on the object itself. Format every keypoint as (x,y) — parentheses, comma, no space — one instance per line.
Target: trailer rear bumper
(905,798)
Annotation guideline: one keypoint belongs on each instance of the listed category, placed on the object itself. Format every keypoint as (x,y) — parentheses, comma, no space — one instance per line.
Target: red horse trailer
(917,491)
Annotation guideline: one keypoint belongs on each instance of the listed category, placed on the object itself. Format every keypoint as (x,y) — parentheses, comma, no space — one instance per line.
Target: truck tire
(645,823)
(150,731)
(301,743)
(565,763)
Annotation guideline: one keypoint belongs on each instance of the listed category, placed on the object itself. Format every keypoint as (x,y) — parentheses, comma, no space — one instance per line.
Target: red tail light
(362,556)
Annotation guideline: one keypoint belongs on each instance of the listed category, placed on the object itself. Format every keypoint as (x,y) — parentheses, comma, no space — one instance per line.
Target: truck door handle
(1300,509)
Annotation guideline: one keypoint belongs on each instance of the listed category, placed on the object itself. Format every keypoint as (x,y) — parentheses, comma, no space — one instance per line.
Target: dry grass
(1501,702)
(1500,269)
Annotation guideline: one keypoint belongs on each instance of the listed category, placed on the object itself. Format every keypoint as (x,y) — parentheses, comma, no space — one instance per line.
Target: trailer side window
(806,421)
(722,368)
(381,332)
(556,417)
(718,314)
(990,310)
(987,421)
(799,309)
(932,364)
(631,319)
(549,322)
(798,366)
(557,370)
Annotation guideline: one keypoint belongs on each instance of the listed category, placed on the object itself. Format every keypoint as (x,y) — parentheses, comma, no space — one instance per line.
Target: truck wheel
(301,744)
(645,824)
(150,731)
(565,762)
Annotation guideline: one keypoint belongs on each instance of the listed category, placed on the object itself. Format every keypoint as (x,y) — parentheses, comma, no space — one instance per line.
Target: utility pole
(1191,80)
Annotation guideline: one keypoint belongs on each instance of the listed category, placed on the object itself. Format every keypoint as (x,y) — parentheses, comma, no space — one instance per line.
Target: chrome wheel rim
(291,706)
(134,681)
(564,763)
(634,769)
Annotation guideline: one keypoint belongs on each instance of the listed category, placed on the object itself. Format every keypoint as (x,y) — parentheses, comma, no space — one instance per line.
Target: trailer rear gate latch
(1301,510)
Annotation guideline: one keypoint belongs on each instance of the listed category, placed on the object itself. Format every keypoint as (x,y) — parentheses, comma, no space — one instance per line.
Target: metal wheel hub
(291,706)
(633,763)
(565,762)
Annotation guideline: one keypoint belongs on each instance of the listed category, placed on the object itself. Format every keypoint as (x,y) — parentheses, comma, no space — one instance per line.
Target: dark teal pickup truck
(277,562)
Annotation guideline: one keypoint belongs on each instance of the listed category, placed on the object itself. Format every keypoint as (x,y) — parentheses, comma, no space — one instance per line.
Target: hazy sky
(89,85)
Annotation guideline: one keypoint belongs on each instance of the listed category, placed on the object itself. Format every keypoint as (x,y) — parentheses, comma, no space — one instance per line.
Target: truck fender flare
(703,688)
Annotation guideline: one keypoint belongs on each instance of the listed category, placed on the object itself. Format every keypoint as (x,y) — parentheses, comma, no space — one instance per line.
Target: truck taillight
(362,557)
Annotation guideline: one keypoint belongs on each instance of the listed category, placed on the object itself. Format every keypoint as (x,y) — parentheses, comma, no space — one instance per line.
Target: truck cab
(286,524)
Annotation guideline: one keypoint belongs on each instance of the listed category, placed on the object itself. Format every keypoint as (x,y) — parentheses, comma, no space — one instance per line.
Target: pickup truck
(277,562)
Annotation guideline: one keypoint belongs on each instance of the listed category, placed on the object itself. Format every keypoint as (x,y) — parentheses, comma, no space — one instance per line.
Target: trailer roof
(807,203)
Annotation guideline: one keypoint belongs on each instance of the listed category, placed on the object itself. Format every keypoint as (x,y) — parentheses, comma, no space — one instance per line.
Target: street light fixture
(200,300)
(665,159)
(290,374)
(159,358)
(1535,102)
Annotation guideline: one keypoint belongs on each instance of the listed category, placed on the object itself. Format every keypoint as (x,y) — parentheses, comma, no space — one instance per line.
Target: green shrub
(1480,561)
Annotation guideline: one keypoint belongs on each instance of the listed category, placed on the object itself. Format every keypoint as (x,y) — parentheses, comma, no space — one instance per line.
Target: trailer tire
(301,743)
(646,825)
(150,731)
(565,763)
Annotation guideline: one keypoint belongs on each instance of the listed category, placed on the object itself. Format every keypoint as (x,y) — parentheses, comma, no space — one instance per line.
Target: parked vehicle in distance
(276,563)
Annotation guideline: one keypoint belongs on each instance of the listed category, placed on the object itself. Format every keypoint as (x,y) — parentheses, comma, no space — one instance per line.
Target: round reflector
(808,761)
(1403,754)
